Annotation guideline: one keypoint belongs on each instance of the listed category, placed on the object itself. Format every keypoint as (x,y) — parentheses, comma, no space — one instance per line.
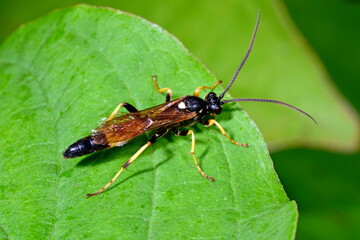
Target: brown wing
(122,129)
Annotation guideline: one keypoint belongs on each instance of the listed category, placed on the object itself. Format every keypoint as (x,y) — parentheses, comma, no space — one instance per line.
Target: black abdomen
(82,147)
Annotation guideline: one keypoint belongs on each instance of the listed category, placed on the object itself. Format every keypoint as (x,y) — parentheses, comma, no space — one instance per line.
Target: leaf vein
(4,230)
(231,185)
(153,197)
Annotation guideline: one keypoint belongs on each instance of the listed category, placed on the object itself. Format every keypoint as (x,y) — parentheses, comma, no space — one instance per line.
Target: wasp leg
(168,93)
(196,93)
(159,133)
(211,122)
(185,133)
(126,105)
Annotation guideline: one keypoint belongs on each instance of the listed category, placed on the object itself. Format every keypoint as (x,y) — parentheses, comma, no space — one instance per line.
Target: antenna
(270,101)
(255,99)
(244,60)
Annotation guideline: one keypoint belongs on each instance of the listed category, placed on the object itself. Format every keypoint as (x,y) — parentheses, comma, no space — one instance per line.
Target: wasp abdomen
(83,147)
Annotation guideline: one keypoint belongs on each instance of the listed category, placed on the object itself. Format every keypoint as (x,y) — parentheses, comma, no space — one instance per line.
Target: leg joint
(158,134)
(180,133)
(129,107)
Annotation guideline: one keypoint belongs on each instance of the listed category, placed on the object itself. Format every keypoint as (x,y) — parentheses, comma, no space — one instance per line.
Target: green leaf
(59,76)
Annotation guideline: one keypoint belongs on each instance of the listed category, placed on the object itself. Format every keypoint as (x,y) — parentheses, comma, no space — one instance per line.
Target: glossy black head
(213,104)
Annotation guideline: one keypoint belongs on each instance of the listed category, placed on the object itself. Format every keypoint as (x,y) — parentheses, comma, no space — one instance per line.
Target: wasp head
(213,104)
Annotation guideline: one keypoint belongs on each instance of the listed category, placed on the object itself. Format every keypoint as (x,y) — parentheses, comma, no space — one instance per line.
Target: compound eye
(218,110)
(215,109)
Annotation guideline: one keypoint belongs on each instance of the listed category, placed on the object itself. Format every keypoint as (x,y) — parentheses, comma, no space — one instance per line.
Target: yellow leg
(212,121)
(192,153)
(196,93)
(112,115)
(128,107)
(127,163)
(168,93)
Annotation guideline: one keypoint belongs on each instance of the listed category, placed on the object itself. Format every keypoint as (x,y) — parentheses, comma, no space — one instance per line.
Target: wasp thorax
(213,104)
(193,104)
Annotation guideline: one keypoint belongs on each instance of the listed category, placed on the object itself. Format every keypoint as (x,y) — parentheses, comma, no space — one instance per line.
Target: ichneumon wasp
(172,115)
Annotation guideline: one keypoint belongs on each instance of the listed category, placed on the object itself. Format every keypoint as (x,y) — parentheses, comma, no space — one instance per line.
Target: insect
(173,115)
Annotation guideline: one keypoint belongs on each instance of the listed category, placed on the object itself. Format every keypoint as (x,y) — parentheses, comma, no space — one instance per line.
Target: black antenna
(268,100)
(244,60)
(256,99)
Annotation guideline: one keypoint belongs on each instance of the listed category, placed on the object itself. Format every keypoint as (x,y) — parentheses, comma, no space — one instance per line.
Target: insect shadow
(141,172)
(111,155)
(114,153)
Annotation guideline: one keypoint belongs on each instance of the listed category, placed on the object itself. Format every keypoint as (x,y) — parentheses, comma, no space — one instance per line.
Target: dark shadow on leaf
(138,173)
(115,153)
(203,155)
(198,128)
(227,110)
(169,137)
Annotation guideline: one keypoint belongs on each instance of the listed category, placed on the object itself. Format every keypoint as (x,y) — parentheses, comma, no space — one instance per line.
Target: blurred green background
(324,184)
